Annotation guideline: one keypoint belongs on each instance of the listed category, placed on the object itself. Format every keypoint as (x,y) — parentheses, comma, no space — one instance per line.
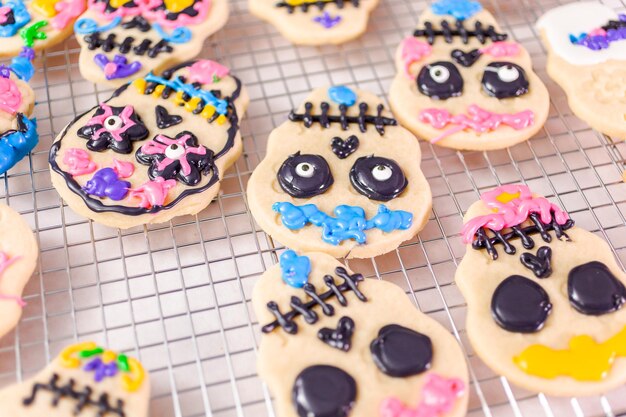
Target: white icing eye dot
(113,122)
(174,151)
(508,73)
(381,172)
(304,169)
(439,73)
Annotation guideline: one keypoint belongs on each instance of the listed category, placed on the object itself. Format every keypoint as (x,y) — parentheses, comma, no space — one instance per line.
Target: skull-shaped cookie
(341,177)
(463,84)
(122,40)
(314,22)
(544,297)
(336,344)
(38,24)
(157,149)
(85,380)
(18,256)
(586,45)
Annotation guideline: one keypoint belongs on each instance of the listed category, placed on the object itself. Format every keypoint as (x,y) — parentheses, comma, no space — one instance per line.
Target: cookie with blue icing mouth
(158,148)
(341,177)
(123,40)
(85,379)
(337,344)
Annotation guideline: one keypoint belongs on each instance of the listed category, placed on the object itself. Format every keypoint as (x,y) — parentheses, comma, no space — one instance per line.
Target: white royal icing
(575,18)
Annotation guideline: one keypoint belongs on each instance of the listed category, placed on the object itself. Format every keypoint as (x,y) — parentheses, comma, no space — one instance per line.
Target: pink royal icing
(125,115)
(66,12)
(10,96)
(123,169)
(511,206)
(439,395)
(162,143)
(206,71)
(5,262)
(413,50)
(152,193)
(79,162)
(477,119)
(4,14)
(501,49)
(151,10)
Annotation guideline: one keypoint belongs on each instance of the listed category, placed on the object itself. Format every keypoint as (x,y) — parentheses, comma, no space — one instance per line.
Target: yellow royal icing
(137,375)
(177,6)
(45,7)
(506,198)
(116,4)
(296,3)
(67,357)
(584,360)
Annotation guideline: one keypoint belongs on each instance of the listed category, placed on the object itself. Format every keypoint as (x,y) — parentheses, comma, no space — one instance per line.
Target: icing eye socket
(304,176)
(174,151)
(377,178)
(504,80)
(323,391)
(520,305)
(594,290)
(113,123)
(401,352)
(440,80)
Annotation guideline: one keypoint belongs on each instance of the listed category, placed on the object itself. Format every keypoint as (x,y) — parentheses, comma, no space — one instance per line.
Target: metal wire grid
(176,295)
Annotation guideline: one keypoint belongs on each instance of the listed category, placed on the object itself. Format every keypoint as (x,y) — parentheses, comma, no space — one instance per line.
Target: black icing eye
(323,391)
(377,178)
(401,352)
(440,80)
(304,176)
(594,290)
(504,80)
(520,305)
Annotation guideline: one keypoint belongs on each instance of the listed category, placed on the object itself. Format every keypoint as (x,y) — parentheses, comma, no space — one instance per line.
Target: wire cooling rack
(178,295)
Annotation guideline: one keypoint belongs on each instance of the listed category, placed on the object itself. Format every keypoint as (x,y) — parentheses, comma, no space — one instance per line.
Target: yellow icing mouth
(584,360)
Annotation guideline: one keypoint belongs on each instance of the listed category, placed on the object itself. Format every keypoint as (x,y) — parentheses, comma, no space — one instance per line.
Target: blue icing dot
(459,9)
(296,269)
(342,95)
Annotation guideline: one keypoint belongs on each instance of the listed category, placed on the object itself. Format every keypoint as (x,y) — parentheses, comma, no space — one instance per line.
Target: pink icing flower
(66,12)
(113,127)
(501,49)
(152,193)
(79,162)
(205,71)
(10,96)
(153,11)
(414,50)
(5,262)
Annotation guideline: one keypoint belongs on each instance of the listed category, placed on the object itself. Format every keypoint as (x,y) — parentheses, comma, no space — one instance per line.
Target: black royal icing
(540,264)
(343,148)
(323,391)
(594,290)
(304,176)
(340,337)
(520,305)
(363,178)
(325,120)
(401,352)
(448,33)
(164,119)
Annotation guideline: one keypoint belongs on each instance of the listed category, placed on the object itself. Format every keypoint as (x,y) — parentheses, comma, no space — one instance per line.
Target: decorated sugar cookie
(18,258)
(39,24)
(85,380)
(123,40)
(464,84)
(313,22)
(157,149)
(336,344)
(544,297)
(586,45)
(340,177)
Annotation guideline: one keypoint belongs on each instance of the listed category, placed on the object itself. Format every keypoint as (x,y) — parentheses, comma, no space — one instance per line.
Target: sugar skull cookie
(123,40)
(463,84)
(85,380)
(157,149)
(18,257)
(39,24)
(586,45)
(336,344)
(314,22)
(340,177)
(544,297)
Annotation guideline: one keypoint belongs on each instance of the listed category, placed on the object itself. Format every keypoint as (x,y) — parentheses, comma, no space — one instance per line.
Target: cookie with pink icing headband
(543,295)
(123,40)
(337,344)
(586,44)
(18,258)
(463,83)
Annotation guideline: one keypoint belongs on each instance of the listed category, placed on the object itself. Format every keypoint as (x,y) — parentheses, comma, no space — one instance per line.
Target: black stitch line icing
(319,4)
(286,320)
(325,120)
(83,398)
(459,30)
(615,25)
(108,44)
(138,22)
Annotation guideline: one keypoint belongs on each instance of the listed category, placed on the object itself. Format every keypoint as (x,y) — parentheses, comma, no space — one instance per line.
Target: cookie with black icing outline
(336,344)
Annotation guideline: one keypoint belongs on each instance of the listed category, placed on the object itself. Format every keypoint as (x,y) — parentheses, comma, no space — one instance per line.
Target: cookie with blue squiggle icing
(341,177)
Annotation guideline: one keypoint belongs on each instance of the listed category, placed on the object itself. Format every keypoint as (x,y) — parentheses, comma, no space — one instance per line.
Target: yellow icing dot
(177,6)
(118,3)
(178,98)
(67,355)
(45,7)
(137,375)
(109,356)
(192,104)
(221,119)
(158,90)
(208,112)
(505,198)
(140,85)
(295,3)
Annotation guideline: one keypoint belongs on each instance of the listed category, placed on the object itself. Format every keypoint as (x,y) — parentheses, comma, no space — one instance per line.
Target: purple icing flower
(5,72)
(106,183)
(327,20)
(118,67)
(28,53)
(100,369)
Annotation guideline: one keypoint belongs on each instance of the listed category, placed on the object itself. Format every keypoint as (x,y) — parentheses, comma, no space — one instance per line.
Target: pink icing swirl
(148,9)
(205,71)
(414,50)
(439,395)
(10,96)
(152,193)
(66,12)
(477,119)
(511,206)
(5,262)
(501,49)
(123,169)
(79,162)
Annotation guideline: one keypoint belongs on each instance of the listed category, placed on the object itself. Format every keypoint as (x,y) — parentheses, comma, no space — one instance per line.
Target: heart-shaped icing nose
(540,264)
(467,59)
(295,269)
(344,148)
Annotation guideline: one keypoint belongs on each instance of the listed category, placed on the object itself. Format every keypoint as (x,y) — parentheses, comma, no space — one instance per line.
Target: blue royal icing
(86,26)
(20,14)
(350,221)
(221,106)
(178,35)
(296,269)
(16,144)
(459,9)
(342,95)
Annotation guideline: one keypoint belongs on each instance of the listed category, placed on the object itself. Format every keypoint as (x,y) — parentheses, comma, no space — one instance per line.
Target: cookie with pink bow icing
(336,344)
(18,258)
(463,83)
(123,40)
(544,297)
(158,148)
(84,380)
